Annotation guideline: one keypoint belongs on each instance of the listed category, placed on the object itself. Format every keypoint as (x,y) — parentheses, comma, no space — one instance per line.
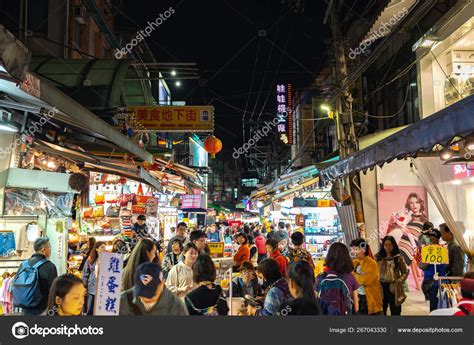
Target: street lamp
(178,84)
(326,108)
(173,73)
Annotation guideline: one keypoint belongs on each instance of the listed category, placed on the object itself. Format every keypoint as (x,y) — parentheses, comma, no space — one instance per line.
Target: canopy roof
(440,128)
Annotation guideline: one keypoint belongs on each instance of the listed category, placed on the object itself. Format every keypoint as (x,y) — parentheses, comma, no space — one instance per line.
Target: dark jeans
(389,300)
(433,297)
(261,257)
(32,312)
(89,307)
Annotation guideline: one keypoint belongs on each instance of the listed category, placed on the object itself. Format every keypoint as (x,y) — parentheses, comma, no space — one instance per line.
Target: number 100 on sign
(434,254)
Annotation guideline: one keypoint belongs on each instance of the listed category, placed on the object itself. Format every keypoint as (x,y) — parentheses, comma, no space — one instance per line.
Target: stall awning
(442,127)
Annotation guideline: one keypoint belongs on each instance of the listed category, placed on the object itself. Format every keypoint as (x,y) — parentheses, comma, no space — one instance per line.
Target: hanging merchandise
(140,189)
(113,211)
(88,213)
(99,199)
(99,211)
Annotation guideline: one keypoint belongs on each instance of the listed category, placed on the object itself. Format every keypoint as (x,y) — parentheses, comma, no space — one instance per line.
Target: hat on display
(147,278)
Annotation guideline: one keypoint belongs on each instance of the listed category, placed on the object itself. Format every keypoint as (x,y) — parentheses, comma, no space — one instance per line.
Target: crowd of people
(275,276)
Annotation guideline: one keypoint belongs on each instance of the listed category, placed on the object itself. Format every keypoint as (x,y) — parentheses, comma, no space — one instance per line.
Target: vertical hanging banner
(109,278)
(285,113)
(289,115)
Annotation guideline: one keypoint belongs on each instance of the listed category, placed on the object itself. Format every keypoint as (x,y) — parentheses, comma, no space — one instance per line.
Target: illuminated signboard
(285,113)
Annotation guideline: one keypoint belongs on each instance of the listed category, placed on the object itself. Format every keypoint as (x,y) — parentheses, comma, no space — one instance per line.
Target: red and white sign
(31,85)
(461,171)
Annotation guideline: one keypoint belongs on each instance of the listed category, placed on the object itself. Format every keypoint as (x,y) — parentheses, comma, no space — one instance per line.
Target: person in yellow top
(366,272)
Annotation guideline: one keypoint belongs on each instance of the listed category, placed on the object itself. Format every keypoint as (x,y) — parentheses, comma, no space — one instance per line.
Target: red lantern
(213,145)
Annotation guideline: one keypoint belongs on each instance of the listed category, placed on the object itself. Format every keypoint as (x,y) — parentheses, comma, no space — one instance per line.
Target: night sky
(222,38)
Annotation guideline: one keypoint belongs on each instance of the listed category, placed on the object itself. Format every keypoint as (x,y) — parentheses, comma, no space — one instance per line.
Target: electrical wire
(274,77)
(250,89)
(264,77)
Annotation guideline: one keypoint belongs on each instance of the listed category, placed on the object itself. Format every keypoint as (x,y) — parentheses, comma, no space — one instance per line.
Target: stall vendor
(140,228)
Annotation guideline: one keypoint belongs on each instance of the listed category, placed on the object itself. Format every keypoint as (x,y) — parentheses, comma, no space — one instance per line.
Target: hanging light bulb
(446,154)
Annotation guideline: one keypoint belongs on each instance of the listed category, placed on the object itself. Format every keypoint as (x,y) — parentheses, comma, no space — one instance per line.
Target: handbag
(99,199)
(399,291)
(88,212)
(125,199)
(113,211)
(387,272)
(99,211)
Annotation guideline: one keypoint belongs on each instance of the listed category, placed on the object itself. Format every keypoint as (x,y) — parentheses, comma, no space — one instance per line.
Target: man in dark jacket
(47,273)
(150,296)
(180,234)
(456,255)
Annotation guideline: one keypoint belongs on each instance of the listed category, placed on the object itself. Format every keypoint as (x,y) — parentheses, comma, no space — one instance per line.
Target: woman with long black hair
(301,284)
(393,274)
(144,251)
(89,275)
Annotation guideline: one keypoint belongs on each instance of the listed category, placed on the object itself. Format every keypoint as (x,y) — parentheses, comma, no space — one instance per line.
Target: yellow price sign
(318,267)
(434,254)
(216,249)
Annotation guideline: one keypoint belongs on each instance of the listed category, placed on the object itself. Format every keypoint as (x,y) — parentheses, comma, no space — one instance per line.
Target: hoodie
(169,305)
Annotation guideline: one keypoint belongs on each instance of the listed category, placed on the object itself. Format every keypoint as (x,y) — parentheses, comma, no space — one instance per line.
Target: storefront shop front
(420,173)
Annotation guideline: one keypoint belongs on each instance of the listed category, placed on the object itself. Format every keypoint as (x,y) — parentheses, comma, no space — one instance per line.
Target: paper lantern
(213,145)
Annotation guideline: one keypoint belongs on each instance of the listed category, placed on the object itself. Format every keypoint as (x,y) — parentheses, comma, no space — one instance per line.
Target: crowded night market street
(241,159)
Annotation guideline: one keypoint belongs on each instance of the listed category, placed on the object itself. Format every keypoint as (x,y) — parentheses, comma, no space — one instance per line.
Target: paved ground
(415,304)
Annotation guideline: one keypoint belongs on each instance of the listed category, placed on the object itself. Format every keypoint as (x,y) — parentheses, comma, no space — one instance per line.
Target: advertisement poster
(402,212)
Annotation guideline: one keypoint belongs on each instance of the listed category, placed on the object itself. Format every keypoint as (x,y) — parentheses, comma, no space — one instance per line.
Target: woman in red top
(243,254)
(275,254)
(260,243)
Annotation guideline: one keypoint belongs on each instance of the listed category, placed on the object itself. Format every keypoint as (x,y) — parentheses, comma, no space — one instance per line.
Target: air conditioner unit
(80,14)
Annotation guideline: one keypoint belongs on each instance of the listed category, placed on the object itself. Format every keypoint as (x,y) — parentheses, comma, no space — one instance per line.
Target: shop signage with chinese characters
(434,254)
(174,118)
(216,249)
(31,85)
(285,113)
(109,278)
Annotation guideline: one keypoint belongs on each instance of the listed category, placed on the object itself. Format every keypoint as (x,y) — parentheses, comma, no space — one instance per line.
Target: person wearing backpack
(337,286)
(34,279)
(149,296)
(393,274)
(206,299)
(298,253)
(301,284)
(276,291)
